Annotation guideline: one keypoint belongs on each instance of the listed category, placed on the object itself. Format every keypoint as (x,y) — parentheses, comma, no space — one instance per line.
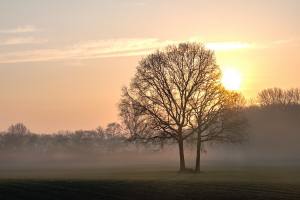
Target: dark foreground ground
(256,183)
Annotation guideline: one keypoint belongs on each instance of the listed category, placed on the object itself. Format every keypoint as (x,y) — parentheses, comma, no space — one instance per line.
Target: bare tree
(100,132)
(166,85)
(279,97)
(113,130)
(18,129)
(219,116)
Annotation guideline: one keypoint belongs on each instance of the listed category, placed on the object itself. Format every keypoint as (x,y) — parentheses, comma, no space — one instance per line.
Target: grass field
(150,183)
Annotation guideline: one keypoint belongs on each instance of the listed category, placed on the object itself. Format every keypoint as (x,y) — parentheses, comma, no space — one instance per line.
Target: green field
(155,183)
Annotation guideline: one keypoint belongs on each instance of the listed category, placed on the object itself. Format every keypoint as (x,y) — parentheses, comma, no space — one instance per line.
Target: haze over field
(63,63)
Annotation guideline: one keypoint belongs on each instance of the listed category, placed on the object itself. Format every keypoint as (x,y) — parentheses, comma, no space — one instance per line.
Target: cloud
(228,46)
(224,46)
(21,41)
(21,29)
(277,43)
(114,48)
(291,41)
(88,50)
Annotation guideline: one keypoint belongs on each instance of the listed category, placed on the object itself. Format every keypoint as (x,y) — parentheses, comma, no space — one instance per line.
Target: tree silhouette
(18,129)
(279,97)
(168,92)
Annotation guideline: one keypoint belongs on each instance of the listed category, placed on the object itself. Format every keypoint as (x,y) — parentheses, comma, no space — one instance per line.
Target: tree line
(116,137)
(19,138)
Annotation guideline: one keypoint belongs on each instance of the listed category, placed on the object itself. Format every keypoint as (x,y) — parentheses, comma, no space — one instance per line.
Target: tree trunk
(181,155)
(197,168)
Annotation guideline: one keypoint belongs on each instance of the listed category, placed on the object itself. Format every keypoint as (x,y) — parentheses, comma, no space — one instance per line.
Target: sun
(231,79)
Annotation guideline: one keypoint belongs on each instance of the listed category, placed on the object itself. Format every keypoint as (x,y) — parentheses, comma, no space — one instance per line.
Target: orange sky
(62,64)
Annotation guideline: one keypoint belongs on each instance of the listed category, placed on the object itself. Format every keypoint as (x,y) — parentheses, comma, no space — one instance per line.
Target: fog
(272,140)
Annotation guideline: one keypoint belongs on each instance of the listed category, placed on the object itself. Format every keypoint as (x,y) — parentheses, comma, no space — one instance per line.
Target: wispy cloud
(21,41)
(88,50)
(228,46)
(114,48)
(224,46)
(21,29)
(294,41)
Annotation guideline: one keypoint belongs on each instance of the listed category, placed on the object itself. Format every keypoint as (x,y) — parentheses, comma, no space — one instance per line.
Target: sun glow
(231,79)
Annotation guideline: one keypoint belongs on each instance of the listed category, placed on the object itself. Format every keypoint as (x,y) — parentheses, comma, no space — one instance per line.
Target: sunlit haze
(63,63)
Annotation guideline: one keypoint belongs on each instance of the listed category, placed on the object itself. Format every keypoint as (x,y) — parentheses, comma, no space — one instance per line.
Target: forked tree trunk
(181,155)
(197,167)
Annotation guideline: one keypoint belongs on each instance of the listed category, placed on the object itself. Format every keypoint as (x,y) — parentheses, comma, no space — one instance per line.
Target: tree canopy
(175,93)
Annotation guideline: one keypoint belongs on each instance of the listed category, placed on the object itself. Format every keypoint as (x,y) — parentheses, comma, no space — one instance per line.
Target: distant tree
(100,132)
(113,130)
(167,86)
(17,136)
(279,97)
(18,129)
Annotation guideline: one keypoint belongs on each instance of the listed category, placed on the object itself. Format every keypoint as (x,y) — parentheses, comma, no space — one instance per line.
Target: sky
(63,62)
